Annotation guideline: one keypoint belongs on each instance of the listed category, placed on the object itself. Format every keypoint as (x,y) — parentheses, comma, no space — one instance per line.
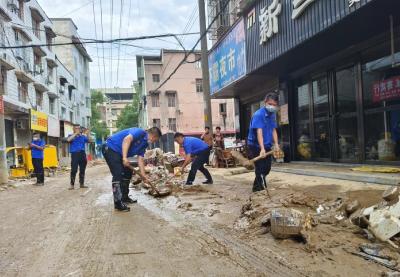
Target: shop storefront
(338,77)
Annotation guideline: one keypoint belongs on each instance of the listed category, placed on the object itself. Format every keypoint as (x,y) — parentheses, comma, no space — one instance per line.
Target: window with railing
(199,85)
(52,106)
(63,113)
(171,100)
(49,41)
(21,7)
(37,61)
(39,99)
(22,91)
(172,124)
(36,27)
(155,100)
(156,78)
(157,122)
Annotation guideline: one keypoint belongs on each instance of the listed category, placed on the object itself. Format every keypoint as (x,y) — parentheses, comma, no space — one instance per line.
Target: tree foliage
(129,116)
(97,125)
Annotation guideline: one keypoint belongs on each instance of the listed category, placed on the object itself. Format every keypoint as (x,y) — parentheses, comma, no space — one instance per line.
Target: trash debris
(382,261)
(391,194)
(352,207)
(286,223)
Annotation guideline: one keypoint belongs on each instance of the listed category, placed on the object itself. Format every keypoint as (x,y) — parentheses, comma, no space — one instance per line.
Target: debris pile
(158,166)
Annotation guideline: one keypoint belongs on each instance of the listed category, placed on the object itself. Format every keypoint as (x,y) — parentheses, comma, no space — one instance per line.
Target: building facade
(116,99)
(30,87)
(336,67)
(178,105)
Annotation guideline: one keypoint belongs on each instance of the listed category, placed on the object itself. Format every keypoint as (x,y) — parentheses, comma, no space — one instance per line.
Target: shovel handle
(262,156)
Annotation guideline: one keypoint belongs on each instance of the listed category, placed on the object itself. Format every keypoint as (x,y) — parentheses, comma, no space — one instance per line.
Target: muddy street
(51,231)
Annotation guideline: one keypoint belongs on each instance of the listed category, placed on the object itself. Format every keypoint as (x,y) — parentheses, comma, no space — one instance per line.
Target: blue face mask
(271,109)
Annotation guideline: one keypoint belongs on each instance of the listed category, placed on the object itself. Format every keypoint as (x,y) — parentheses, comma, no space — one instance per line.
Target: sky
(136,18)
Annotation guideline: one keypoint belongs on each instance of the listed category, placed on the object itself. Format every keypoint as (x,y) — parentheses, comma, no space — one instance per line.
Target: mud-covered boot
(121,207)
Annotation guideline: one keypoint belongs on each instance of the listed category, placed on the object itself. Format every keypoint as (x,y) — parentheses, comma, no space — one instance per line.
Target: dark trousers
(121,176)
(198,164)
(38,170)
(78,159)
(262,168)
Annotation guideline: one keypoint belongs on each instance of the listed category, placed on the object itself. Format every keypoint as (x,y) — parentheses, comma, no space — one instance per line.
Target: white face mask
(271,109)
(36,138)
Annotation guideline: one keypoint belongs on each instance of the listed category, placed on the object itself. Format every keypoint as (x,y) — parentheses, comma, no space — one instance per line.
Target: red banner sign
(1,105)
(386,90)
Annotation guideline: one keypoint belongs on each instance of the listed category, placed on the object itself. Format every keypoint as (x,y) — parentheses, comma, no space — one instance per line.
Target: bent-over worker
(197,152)
(117,149)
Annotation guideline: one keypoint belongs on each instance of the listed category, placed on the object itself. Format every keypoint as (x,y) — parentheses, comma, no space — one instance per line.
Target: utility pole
(3,158)
(204,67)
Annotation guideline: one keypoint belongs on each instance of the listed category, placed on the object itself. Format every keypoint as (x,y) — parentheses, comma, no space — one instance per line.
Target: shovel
(149,183)
(249,164)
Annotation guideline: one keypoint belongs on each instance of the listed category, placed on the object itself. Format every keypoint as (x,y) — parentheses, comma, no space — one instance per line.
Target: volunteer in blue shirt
(77,143)
(262,137)
(116,151)
(37,148)
(197,152)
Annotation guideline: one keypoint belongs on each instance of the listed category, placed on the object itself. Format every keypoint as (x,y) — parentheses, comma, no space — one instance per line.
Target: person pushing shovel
(116,151)
(262,137)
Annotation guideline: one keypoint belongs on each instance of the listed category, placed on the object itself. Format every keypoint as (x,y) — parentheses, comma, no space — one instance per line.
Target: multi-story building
(76,60)
(32,77)
(116,99)
(178,105)
(336,67)
(27,82)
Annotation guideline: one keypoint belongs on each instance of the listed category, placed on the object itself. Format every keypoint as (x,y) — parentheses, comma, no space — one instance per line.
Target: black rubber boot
(121,207)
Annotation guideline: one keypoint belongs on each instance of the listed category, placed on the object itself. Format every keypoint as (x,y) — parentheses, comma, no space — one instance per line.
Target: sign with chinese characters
(386,90)
(227,62)
(38,121)
(1,105)
(269,20)
(299,6)
(284,114)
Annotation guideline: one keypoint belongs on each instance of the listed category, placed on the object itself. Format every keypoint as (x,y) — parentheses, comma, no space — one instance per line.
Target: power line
(194,47)
(119,35)
(97,48)
(101,41)
(111,36)
(102,37)
(80,7)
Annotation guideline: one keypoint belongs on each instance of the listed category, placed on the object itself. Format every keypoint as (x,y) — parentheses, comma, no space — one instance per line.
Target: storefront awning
(23,76)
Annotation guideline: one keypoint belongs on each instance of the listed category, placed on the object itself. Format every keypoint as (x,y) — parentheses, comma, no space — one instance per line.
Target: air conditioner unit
(21,124)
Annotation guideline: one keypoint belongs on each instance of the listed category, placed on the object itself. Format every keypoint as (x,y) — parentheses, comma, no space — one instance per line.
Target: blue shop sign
(227,62)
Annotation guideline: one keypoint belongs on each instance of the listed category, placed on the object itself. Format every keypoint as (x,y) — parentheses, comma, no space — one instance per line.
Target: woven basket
(286,223)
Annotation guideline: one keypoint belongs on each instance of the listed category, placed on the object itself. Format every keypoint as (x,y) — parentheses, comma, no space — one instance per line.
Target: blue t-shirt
(138,145)
(194,146)
(36,153)
(262,119)
(78,143)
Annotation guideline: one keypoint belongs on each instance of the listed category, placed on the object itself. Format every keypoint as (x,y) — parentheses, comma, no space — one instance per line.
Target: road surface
(51,231)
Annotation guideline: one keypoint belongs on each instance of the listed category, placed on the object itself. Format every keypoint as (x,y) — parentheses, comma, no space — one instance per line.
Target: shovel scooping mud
(249,164)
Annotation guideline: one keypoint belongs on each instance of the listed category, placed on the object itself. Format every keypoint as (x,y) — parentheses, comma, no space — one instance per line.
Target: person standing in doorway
(207,137)
(37,150)
(262,137)
(117,149)
(77,143)
(219,138)
(197,152)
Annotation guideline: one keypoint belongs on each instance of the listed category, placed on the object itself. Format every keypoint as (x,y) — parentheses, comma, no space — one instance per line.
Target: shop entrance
(326,127)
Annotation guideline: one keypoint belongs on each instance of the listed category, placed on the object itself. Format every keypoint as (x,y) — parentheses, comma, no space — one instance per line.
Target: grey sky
(147,17)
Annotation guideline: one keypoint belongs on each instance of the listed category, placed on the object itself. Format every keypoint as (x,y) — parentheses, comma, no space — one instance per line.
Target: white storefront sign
(53,127)
(269,20)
